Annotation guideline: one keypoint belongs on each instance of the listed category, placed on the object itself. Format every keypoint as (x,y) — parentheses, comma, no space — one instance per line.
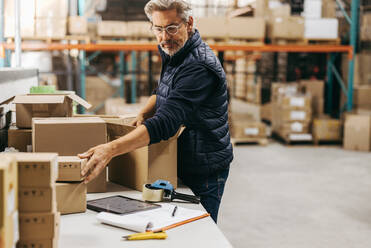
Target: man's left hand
(98,158)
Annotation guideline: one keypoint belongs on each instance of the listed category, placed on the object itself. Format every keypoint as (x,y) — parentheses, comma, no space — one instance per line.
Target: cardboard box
(325,28)
(37,169)
(316,88)
(77,25)
(297,127)
(254,28)
(286,27)
(20,139)
(238,106)
(144,165)
(362,97)
(139,29)
(37,199)
(295,102)
(366,27)
(51,28)
(9,234)
(45,243)
(253,93)
(51,9)
(288,115)
(261,8)
(8,187)
(32,105)
(112,28)
(329,9)
(327,130)
(357,132)
(266,111)
(212,27)
(70,168)
(281,11)
(242,128)
(71,197)
(39,226)
(71,136)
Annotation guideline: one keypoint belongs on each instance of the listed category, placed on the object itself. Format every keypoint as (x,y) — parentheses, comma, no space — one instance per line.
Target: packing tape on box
(152,195)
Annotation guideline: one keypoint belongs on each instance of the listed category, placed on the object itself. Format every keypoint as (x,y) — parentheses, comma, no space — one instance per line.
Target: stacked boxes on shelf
(71,192)
(9,231)
(38,218)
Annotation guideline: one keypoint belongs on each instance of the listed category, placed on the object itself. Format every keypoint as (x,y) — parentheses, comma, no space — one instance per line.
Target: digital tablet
(119,204)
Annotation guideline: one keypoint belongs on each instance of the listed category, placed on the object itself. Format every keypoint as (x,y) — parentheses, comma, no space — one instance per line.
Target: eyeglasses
(172,29)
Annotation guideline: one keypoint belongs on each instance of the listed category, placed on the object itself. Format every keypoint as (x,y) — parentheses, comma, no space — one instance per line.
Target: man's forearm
(149,108)
(133,140)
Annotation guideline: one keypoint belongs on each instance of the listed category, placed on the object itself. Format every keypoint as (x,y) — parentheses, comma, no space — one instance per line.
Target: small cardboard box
(9,234)
(20,139)
(32,105)
(357,132)
(8,187)
(69,137)
(70,168)
(248,129)
(37,169)
(77,25)
(37,199)
(45,243)
(144,165)
(39,226)
(327,130)
(286,27)
(71,198)
(362,97)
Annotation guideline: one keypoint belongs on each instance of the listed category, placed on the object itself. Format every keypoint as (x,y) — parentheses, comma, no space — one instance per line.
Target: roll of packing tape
(152,195)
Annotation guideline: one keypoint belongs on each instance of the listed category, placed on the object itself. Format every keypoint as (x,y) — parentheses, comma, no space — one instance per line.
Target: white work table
(84,231)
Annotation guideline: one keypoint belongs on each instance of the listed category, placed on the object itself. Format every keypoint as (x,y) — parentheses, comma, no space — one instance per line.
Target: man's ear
(190,24)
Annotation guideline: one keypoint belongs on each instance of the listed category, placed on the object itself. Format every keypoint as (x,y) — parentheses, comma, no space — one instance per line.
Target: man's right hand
(138,120)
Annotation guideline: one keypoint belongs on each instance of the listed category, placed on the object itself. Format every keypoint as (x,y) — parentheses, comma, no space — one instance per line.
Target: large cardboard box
(112,28)
(39,226)
(254,27)
(213,27)
(20,139)
(45,243)
(327,130)
(69,137)
(33,199)
(9,234)
(70,168)
(51,9)
(325,28)
(71,197)
(8,187)
(51,28)
(32,105)
(77,25)
(357,132)
(286,27)
(37,169)
(362,97)
(144,165)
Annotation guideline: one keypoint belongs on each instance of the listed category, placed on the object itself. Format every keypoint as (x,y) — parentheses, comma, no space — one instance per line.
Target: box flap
(7,100)
(80,101)
(39,99)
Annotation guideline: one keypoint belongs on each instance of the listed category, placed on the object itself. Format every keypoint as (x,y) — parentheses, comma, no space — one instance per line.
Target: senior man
(192,91)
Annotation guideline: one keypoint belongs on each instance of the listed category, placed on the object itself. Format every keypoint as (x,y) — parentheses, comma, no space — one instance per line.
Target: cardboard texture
(70,168)
(39,226)
(144,165)
(212,27)
(253,93)
(9,234)
(71,198)
(261,8)
(357,132)
(286,27)
(365,27)
(266,111)
(243,128)
(241,107)
(30,106)
(112,28)
(20,139)
(46,243)
(77,25)
(33,199)
(69,137)
(362,97)
(254,28)
(329,9)
(51,27)
(8,187)
(316,88)
(51,8)
(327,130)
(37,169)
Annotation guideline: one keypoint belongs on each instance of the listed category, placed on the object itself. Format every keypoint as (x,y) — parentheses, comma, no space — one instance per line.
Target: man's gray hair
(183,8)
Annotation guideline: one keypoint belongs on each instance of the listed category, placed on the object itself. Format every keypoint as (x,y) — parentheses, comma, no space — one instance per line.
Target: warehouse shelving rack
(123,47)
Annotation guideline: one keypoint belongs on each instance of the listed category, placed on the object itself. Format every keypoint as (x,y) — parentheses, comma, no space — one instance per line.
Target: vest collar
(178,57)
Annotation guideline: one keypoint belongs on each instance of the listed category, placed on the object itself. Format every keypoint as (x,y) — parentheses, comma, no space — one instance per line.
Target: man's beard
(176,45)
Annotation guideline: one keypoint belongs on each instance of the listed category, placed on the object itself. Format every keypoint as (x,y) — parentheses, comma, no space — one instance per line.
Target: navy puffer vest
(204,147)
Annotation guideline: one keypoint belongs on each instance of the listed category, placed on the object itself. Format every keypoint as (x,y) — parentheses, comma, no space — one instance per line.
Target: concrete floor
(297,197)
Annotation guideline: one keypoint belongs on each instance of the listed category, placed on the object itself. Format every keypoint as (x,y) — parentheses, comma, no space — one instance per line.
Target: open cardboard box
(146,164)
(43,105)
